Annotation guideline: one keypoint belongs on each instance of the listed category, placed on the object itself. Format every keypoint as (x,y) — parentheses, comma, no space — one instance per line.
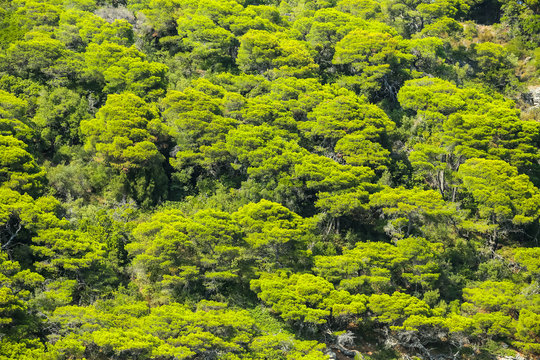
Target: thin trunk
(12,237)
(441,182)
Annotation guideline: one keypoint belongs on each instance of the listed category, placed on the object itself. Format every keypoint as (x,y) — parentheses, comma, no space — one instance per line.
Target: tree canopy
(269,180)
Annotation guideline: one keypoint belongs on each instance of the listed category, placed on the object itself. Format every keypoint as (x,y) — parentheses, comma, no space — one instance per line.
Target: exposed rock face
(533,96)
(516,357)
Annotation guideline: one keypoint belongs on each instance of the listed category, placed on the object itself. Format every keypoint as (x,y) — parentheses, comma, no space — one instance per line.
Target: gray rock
(533,96)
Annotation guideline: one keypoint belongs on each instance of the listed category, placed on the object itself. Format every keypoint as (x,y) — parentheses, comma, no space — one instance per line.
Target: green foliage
(409,210)
(173,253)
(203,179)
(393,309)
(58,117)
(43,58)
(306,298)
(282,346)
(376,267)
(65,251)
(173,331)
(528,258)
(344,115)
(142,78)
(79,28)
(496,63)
(262,52)
(17,288)
(98,58)
(374,60)
(528,331)
(452,125)
(505,199)
(204,44)
(18,168)
(278,236)
(121,136)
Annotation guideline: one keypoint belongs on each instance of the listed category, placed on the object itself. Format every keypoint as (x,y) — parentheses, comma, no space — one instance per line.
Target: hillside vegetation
(255,179)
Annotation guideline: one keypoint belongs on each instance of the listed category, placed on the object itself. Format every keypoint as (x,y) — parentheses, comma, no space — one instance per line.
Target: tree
(495,66)
(333,119)
(164,256)
(403,16)
(142,78)
(67,252)
(31,14)
(125,327)
(206,45)
(366,9)
(37,57)
(21,216)
(377,267)
(443,27)
(367,268)
(429,94)
(410,209)
(283,346)
(256,17)
(495,296)
(58,117)
(18,169)
(277,237)
(439,8)
(195,127)
(505,199)
(325,29)
(498,134)
(376,58)
(79,28)
(17,288)
(394,309)
(122,136)
(11,106)
(100,57)
(199,132)
(295,60)
(527,331)
(13,121)
(527,258)
(174,254)
(422,268)
(261,52)
(452,125)
(523,19)
(257,51)
(359,151)
(306,298)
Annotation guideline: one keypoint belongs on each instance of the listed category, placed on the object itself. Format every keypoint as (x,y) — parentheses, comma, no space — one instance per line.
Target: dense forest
(256,179)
